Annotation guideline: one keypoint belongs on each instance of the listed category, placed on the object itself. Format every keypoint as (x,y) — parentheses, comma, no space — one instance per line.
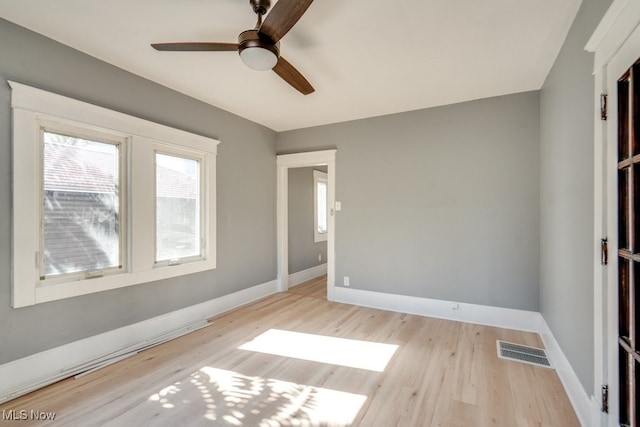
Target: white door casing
(300,160)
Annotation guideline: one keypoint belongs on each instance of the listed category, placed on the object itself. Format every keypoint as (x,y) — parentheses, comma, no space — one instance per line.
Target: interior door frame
(616,45)
(285,162)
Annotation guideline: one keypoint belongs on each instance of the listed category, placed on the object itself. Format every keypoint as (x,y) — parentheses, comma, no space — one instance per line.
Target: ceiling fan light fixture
(258,58)
(256,53)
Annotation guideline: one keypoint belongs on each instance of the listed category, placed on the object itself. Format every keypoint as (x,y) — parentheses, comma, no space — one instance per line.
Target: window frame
(202,164)
(122,141)
(31,107)
(319,176)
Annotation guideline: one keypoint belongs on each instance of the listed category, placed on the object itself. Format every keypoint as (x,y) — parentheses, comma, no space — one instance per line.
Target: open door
(616,44)
(628,256)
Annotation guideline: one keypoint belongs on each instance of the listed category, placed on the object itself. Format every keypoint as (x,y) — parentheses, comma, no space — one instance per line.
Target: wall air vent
(522,353)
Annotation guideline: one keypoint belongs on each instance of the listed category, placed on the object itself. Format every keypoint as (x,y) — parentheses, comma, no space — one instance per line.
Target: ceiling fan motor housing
(250,38)
(260,6)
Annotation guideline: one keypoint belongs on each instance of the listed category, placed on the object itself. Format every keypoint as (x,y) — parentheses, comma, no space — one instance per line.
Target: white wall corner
(38,370)
(308,274)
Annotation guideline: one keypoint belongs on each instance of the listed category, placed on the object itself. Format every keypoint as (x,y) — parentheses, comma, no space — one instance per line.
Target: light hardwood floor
(316,288)
(410,371)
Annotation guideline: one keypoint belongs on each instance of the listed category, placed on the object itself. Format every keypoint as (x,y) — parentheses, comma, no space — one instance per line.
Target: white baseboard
(40,369)
(308,274)
(582,403)
(522,320)
(471,313)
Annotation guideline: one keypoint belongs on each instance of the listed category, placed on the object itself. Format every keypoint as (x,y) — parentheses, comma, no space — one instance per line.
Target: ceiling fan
(259,48)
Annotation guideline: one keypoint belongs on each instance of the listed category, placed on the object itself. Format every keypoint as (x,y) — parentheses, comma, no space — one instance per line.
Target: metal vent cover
(522,353)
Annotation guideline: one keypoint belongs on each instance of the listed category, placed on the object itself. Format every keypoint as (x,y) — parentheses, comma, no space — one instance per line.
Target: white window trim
(29,107)
(318,176)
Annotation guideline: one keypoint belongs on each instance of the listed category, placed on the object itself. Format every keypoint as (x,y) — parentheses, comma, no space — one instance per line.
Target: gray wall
(246,197)
(476,202)
(566,195)
(303,251)
(440,203)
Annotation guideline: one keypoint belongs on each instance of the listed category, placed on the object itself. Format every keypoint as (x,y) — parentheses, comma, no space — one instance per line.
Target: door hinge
(604,251)
(605,399)
(603,106)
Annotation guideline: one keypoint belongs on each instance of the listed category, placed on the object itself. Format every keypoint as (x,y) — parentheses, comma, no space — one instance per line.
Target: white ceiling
(365,58)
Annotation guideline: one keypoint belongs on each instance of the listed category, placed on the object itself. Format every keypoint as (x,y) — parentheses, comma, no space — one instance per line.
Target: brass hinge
(603,106)
(604,251)
(605,399)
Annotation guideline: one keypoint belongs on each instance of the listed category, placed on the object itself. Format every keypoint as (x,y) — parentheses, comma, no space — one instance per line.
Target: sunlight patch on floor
(324,349)
(235,399)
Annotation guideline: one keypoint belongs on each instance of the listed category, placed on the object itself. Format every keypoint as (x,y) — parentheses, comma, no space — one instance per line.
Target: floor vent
(523,353)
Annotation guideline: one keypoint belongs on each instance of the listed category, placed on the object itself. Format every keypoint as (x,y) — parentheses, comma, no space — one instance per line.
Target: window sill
(52,292)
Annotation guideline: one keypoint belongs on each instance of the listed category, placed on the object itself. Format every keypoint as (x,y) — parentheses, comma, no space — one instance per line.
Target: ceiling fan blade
(282,17)
(195,46)
(289,74)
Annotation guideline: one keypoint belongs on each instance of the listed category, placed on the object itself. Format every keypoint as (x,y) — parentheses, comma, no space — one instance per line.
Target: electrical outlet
(320,257)
(346,281)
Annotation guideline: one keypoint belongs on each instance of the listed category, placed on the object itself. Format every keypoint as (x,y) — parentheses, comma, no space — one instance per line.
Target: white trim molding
(301,160)
(308,274)
(616,25)
(38,370)
(500,317)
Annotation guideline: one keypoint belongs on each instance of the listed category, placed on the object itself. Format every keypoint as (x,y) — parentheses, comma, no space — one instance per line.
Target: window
(81,204)
(320,206)
(178,204)
(84,219)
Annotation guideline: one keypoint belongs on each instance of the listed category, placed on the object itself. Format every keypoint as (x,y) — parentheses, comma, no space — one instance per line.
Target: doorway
(302,160)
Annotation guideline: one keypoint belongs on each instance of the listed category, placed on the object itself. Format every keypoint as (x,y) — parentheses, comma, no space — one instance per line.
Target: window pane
(322,206)
(623,119)
(177,207)
(624,286)
(623,208)
(81,221)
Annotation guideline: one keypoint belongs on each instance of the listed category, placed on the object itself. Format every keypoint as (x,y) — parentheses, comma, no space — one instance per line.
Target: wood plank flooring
(236,372)
(315,288)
